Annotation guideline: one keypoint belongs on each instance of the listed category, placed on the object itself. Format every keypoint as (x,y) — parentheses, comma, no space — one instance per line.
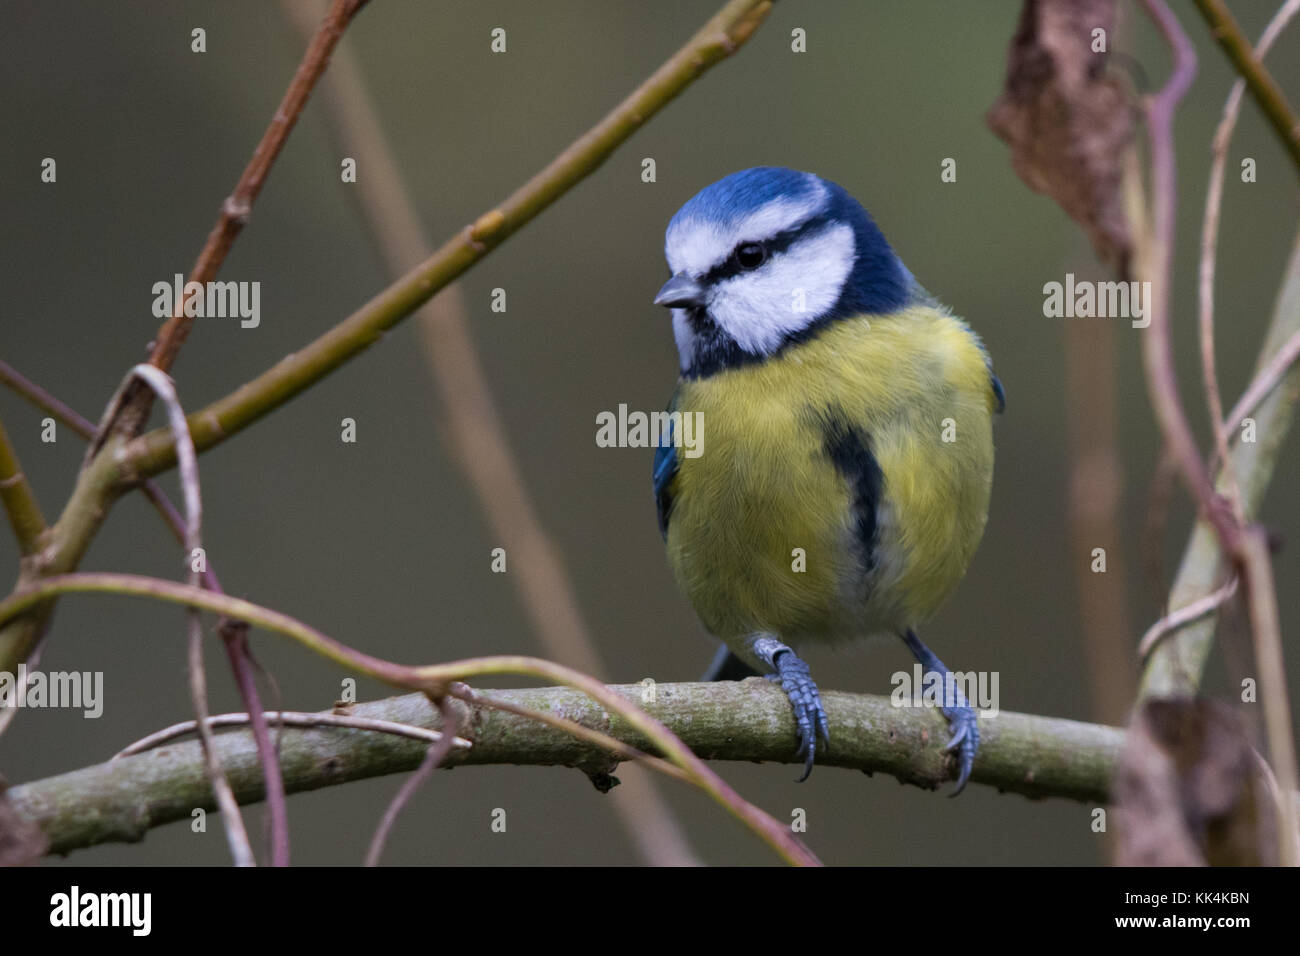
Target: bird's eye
(751,255)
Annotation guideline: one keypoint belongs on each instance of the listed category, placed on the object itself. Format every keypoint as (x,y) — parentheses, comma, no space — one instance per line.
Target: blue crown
(879,282)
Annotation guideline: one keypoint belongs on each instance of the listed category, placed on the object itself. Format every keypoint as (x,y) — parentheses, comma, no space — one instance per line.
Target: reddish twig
(475,432)
(234,635)
(1162,382)
(435,756)
(1209,241)
(233,632)
(1244,546)
(161,385)
(134,407)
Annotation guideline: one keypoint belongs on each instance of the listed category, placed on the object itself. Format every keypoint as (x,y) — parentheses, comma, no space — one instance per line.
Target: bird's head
(767,256)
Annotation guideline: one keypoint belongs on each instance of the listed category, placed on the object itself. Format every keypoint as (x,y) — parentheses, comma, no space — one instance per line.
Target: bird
(845,481)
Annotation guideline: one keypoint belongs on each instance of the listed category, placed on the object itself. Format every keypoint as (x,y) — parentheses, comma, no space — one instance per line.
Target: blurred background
(383,544)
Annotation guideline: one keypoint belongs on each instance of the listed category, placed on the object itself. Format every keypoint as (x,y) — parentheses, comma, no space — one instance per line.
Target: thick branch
(122,800)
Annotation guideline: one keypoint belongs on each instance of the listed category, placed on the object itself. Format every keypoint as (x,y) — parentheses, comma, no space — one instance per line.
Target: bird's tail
(727,666)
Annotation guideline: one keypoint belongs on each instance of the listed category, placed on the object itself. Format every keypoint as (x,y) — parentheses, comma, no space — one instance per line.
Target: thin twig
(238,206)
(1265,381)
(436,754)
(161,385)
(98,486)
(1209,240)
(233,633)
(46,402)
(1269,96)
(1184,615)
(432,680)
(289,718)
(1177,664)
(1280,799)
(1162,382)
(234,636)
(475,433)
(1242,546)
(1267,634)
(725,33)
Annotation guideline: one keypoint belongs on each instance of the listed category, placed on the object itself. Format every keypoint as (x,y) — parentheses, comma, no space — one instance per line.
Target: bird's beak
(681,291)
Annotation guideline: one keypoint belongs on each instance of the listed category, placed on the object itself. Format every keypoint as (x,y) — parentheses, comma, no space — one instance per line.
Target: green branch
(718,39)
(1262,86)
(434,680)
(18,499)
(113,468)
(1176,665)
(120,801)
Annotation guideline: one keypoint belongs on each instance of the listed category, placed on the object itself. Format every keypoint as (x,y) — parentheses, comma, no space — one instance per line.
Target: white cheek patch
(696,247)
(759,309)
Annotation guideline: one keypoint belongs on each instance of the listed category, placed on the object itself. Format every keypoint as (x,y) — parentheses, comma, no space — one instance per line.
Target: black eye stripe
(774,246)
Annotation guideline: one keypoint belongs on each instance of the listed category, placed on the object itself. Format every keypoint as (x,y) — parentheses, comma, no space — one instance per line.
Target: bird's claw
(955,707)
(810,718)
(965,740)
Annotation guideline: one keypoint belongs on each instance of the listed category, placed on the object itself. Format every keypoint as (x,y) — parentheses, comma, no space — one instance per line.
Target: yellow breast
(763,534)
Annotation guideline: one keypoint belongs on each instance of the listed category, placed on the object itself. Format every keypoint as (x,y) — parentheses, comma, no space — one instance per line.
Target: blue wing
(665,469)
(998,391)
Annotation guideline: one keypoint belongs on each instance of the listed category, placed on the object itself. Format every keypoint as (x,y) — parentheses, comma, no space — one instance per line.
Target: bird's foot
(796,680)
(965,740)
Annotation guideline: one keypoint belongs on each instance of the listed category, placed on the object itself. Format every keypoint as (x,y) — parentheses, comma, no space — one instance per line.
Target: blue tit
(842,411)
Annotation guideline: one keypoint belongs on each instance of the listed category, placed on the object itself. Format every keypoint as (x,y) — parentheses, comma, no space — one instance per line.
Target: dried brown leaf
(1067,120)
(1187,790)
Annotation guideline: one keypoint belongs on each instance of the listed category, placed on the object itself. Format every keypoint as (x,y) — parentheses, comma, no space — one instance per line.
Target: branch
(434,680)
(717,40)
(161,385)
(474,432)
(1176,664)
(1209,242)
(1264,89)
(433,759)
(18,499)
(114,468)
(133,410)
(1158,266)
(284,718)
(1245,546)
(122,800)
(234,633)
